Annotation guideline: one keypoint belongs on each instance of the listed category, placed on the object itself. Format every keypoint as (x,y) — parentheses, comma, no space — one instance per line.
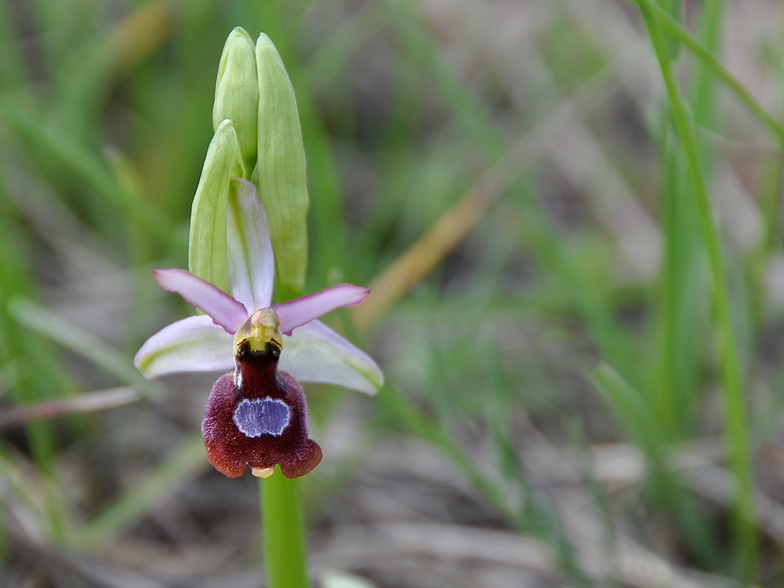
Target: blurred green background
(578,275)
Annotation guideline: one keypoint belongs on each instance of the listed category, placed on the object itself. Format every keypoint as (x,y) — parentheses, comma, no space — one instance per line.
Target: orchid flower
(257,414)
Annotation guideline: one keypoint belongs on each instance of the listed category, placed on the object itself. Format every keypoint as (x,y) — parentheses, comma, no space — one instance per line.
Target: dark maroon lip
(258,418)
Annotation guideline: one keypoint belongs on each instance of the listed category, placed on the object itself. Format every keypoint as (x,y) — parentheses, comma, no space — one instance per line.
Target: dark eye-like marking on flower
(271,350)
(262,416)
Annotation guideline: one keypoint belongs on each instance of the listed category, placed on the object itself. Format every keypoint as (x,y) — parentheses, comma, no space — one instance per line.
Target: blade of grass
(683,320)
(770,188)
(329,228)
(399,163)
(42,375)
(673,9)
(572,279)
(13,72)
(680,300)
(335,53)
(636,416)
(83,85)
(702,100)
(472,116)
(775,127)
(71,337)
(84,164)
(631,405)
(545,525)
(679,389)
(25,484)
(81,403)
(183,462)
(735,420)
(455,223)
(538,513)
(471,113)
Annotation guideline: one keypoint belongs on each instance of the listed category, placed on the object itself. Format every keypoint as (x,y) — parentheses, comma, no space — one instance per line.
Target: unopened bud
(207,243)
(237,94)
(281,166)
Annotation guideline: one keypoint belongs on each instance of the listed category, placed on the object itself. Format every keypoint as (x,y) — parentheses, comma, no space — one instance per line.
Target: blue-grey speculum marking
(262,416)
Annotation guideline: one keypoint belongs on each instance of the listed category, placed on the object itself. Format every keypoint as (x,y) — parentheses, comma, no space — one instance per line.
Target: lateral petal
(300,311)
(194,344)
(316,353)
(222,308)
(251,261)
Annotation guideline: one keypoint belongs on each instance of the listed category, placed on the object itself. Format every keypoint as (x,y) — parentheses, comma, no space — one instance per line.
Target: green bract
(207,243)
(281,166)
(237,94)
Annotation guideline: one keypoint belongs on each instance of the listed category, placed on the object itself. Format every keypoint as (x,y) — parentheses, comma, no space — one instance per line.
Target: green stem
(285,557)
(735,418)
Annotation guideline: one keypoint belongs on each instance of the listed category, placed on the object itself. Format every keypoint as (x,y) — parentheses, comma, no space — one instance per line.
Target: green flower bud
(237,93)
(281,167)
(207,256)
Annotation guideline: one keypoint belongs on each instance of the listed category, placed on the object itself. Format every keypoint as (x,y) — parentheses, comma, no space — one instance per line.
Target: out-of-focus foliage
(513,181)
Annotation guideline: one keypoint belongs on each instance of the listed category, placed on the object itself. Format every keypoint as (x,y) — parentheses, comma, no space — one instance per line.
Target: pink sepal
(300,311)
(221,308)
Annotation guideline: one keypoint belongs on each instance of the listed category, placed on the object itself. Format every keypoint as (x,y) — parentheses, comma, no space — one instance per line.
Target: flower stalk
(283,529)
(282,177)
